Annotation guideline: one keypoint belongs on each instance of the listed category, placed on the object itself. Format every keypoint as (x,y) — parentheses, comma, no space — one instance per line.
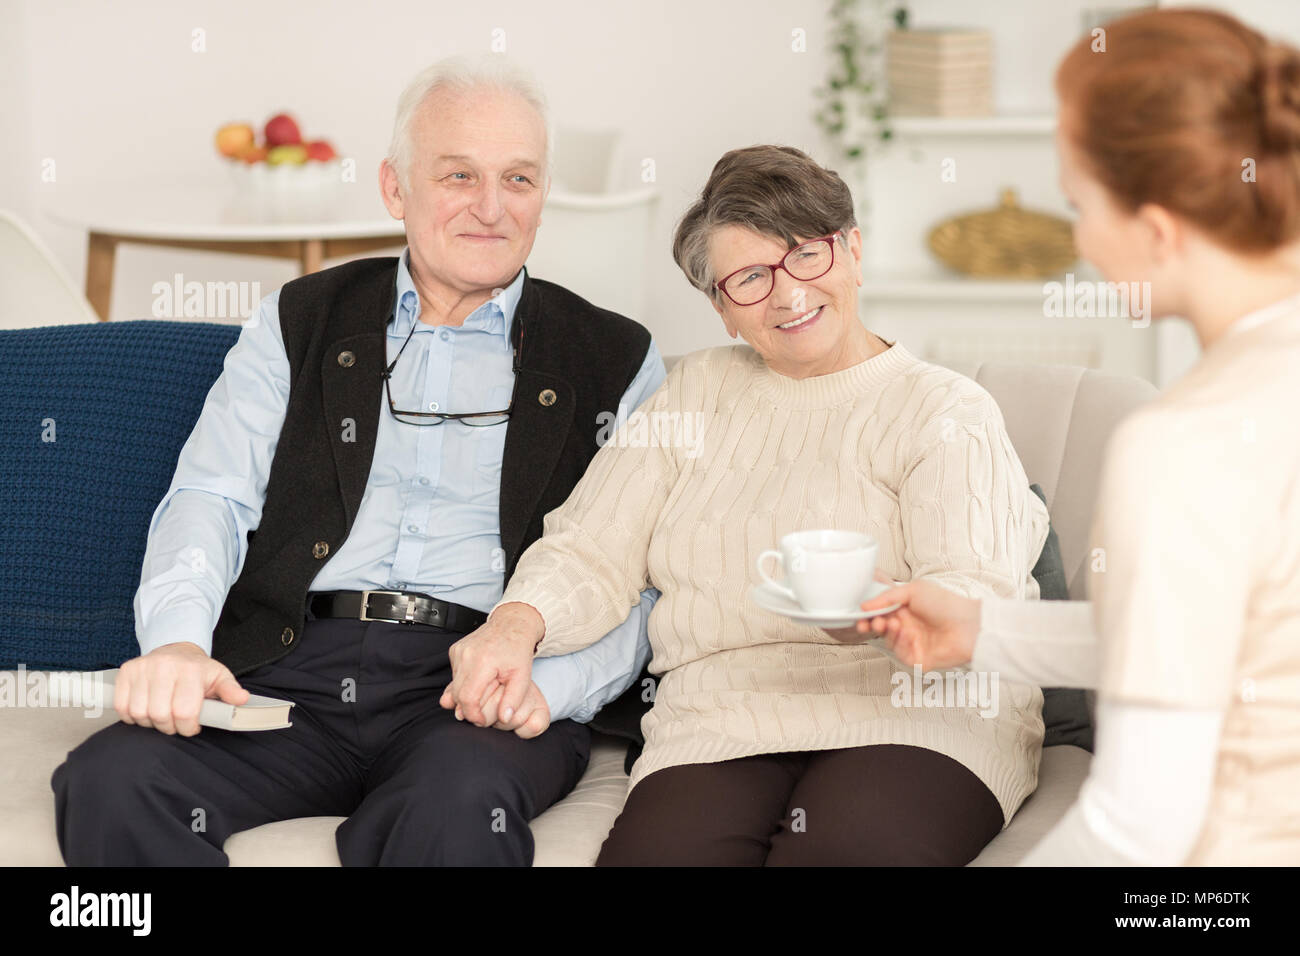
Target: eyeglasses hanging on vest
(476,419)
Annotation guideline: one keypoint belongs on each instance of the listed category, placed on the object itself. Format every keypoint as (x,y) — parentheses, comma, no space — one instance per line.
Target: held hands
(934,628)
(165,688)
(491,671)
(531,719)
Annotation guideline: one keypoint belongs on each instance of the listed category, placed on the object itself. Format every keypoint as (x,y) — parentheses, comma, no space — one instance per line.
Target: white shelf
(1011,124)
(940,286)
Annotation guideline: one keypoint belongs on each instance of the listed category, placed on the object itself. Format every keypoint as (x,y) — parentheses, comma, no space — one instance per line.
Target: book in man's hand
(258,713)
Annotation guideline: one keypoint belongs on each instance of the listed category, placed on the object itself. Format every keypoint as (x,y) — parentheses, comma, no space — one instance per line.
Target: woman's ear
(715,301)
(1163,231)
(853,239)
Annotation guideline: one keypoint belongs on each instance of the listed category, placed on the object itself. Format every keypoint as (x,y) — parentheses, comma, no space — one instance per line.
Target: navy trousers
(369,741)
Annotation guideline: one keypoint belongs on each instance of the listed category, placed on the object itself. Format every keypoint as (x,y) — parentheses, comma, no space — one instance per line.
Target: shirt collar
(1275,310)
(496,315)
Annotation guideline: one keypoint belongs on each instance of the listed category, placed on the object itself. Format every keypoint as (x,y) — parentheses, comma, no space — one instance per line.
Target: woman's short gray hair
(775,191)
(461,74)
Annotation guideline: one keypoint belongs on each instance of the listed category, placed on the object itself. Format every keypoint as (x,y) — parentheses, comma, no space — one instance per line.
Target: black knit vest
(576,362)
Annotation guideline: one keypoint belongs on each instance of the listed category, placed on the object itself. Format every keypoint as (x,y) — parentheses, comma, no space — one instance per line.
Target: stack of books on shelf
(940,72)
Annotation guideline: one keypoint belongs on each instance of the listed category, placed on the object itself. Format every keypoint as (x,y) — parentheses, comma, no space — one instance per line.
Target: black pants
(883,805)
(369,741)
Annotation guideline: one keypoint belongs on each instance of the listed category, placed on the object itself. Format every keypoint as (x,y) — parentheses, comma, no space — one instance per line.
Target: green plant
(854,110)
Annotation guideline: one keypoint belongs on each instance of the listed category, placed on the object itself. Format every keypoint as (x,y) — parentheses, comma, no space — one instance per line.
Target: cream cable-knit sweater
(729,457)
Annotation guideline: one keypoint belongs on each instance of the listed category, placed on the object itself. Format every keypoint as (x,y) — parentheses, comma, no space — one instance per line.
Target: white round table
(309,225)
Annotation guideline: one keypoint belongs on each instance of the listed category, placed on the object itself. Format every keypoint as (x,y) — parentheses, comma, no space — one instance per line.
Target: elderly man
(381,447)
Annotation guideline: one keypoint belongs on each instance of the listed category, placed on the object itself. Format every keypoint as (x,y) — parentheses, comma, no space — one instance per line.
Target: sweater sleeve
(589,567)
(1048,643)
(970,522)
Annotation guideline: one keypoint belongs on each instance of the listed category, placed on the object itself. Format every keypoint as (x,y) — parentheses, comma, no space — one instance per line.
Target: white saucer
(776,602)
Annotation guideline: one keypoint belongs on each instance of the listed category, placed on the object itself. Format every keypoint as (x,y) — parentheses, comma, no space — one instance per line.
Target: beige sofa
(1058,419)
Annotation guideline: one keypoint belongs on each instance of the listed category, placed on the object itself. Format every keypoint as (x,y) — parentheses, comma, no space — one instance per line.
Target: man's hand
(499,652)
(165,688)
(933,628)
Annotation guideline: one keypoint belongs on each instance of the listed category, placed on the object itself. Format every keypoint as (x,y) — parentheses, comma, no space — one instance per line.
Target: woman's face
(827,305)
(1126,247)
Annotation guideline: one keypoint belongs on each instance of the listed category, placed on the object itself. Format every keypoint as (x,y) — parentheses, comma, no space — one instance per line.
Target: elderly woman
(772,741)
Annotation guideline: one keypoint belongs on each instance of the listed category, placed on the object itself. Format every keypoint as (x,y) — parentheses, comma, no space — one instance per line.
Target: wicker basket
(1007,242)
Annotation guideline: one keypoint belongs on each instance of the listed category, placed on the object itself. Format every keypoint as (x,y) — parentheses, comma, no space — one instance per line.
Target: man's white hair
(459,74)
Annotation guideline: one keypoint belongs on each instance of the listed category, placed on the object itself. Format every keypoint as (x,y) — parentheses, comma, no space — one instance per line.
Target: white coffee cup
(826,571)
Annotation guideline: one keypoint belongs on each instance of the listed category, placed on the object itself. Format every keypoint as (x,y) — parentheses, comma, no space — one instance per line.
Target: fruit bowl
(286,178)
(284,165)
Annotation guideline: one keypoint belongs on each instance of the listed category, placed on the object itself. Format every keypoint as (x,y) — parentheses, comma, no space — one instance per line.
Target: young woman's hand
(934,628)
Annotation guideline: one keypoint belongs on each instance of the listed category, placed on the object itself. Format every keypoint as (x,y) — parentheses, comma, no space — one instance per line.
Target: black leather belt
(398,607)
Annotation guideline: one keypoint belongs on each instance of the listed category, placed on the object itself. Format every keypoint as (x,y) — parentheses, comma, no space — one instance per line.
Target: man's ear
(546,194)
(390,190)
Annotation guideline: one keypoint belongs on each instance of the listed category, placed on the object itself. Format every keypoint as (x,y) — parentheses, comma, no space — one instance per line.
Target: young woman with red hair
(1179,145)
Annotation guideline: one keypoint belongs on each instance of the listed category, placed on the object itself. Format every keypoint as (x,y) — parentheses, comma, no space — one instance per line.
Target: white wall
(113,92)
(116,94)
(907,195)
(17,113)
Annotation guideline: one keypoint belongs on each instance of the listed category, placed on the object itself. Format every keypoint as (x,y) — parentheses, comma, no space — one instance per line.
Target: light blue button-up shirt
(429,518)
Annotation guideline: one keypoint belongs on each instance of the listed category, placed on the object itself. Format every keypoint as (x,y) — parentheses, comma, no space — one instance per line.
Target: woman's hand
(934,628)
(531,718)
(499,652)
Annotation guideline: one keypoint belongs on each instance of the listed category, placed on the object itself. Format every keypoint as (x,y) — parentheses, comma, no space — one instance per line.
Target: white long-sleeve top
(1148,787)
(1193,640)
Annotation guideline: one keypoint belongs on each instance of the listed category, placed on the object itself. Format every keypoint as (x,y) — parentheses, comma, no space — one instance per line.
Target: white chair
(584,159)
(34,289)
(598,246)
(595,235)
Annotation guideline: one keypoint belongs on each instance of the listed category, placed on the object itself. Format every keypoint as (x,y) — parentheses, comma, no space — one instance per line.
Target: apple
(281,130)
(320,149)
(234,138)
(253,155)
(294,155)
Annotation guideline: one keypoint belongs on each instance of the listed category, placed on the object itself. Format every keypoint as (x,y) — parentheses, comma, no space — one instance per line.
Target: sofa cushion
(1066,716)
(1059,419)
(92,420)
(35,740)
(1060,776)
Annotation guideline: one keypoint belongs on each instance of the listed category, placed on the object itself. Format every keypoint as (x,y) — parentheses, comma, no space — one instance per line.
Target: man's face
(476,189)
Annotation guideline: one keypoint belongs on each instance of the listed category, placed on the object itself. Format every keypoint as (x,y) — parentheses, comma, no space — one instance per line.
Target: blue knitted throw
(92,421)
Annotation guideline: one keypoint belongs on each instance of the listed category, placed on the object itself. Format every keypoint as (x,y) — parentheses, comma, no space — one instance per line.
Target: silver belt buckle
(365,601)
